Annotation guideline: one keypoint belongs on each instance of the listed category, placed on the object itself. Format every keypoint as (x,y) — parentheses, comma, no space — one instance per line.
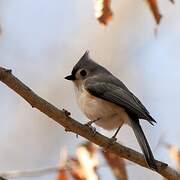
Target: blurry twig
(29,173)
(59,116)
(1,178)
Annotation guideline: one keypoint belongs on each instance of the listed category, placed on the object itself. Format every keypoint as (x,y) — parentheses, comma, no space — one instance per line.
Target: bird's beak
(70,78)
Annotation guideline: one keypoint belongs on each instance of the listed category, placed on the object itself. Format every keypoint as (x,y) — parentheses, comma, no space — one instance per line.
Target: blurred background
(42,40)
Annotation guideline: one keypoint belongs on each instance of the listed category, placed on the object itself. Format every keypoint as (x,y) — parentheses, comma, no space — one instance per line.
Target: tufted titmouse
(107,102)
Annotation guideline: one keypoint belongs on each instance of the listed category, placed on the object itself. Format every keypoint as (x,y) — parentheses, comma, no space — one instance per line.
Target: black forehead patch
(86,62)
(82,63)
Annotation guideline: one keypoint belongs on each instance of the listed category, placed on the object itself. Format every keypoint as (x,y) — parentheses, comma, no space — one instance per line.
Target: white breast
(110,115)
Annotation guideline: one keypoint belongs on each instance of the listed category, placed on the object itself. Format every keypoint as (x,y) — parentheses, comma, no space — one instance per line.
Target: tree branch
(70,124)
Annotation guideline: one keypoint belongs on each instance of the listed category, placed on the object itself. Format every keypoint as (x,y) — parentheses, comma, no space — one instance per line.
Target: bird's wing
(120,96)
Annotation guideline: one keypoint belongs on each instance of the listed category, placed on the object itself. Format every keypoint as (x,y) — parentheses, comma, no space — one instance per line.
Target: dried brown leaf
(117,165)
(172,1)
(76,170)
(103,11)
(155,10)
(88,160)
(174,153)
(62,175)
(91,148)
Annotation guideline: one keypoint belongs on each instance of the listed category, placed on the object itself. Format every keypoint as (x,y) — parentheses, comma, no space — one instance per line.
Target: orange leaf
(117,165)
(75,170)
(62,174)
(88,160)
(155,10)
(103,11)
(91,148)
(174,153)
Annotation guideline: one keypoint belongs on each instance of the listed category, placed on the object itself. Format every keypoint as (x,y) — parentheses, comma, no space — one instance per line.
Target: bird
(107,102)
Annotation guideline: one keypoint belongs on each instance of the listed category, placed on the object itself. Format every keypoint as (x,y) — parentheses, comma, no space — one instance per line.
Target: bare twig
(59,116)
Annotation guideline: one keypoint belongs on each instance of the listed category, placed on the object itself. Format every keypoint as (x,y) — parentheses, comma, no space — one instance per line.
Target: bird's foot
(93,129)
(163,165)
(113,139)
(111,142)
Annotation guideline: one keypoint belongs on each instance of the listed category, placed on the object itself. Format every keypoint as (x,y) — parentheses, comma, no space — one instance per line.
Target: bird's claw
(111,142)
(89,124)
(93,129)
(164,165)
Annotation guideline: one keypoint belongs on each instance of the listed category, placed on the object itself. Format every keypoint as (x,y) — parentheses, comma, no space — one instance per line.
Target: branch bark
(72,125)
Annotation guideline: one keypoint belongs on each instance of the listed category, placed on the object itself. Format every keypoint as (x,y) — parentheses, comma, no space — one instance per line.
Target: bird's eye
(83,73)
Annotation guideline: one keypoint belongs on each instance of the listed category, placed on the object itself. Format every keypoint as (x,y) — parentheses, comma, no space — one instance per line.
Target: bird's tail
(143,144)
